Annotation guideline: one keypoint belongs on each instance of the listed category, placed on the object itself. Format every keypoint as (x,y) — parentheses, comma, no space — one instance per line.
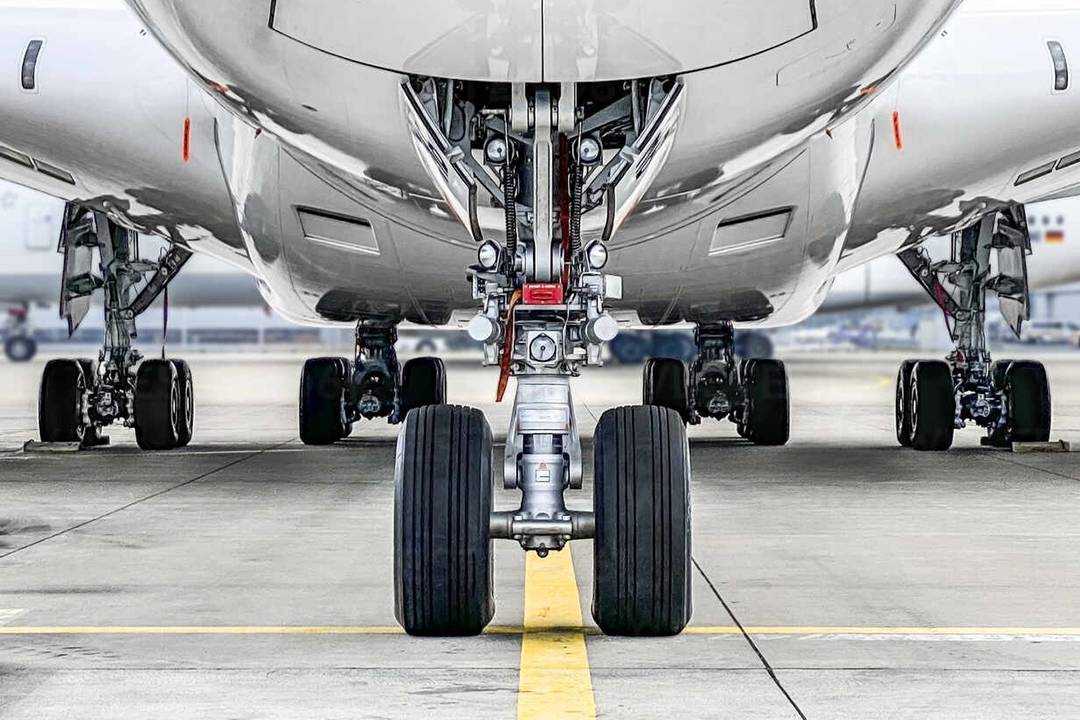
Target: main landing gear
(752,393)
(547,156)
(78,398)
(336,393)
(1010,398)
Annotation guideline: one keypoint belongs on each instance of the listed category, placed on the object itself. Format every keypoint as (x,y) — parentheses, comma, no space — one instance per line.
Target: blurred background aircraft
(214,307)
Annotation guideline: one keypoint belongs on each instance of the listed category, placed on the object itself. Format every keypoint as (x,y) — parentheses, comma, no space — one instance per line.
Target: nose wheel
(20,348)
(443,571)
(641,566)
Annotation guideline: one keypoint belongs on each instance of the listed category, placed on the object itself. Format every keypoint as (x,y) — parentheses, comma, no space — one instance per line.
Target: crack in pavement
(750,641)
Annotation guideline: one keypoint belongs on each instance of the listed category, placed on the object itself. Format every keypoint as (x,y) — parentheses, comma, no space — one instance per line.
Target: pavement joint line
(544,633)
(554,659)
(1011,461)
(133,503)
(750,641)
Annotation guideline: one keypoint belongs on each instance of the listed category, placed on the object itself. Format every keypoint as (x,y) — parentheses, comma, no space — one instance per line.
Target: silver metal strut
(542,460)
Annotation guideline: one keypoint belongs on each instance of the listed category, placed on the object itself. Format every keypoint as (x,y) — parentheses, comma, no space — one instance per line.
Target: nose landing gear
(547,159)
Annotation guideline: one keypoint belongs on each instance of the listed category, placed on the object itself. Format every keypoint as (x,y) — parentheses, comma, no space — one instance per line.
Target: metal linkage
(375,374)
(959,287)
(130,285)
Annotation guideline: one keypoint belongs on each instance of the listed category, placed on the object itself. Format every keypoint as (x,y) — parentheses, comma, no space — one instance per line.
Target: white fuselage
(974,111)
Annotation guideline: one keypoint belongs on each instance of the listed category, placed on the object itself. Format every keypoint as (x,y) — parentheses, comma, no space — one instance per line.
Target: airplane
(544,172)
(29,228)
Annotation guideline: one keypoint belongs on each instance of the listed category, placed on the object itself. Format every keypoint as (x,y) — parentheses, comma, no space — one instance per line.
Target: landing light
(496,151)
(589,150)
(488,255)
(597,254)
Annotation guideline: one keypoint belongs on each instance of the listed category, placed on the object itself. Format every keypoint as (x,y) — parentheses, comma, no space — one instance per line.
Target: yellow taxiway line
(570,633)
(555,677)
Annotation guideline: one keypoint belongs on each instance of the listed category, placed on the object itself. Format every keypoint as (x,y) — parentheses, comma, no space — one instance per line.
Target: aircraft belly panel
(615,39)
(466,39)
(324,256)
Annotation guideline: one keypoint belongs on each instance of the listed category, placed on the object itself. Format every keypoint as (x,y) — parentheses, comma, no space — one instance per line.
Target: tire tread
(444,491)
(642,569)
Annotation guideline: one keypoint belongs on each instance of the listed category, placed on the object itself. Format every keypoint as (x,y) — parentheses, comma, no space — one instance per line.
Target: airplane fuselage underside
(743,221)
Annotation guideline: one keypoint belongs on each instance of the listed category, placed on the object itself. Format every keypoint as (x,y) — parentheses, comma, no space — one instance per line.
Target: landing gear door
(77,243)
(1011,284)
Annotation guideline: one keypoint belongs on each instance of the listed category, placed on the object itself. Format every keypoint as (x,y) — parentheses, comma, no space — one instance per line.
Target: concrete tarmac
(250,577)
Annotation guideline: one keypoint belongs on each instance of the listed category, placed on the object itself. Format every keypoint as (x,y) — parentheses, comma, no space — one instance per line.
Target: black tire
(1027,392)
(903,404)
(187,403)
(641,553)
(768,411)
(933,406)
(60,402)
(443,571)
(665,385)
(20,348)
(423,383)
(157,405)
(322,408)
